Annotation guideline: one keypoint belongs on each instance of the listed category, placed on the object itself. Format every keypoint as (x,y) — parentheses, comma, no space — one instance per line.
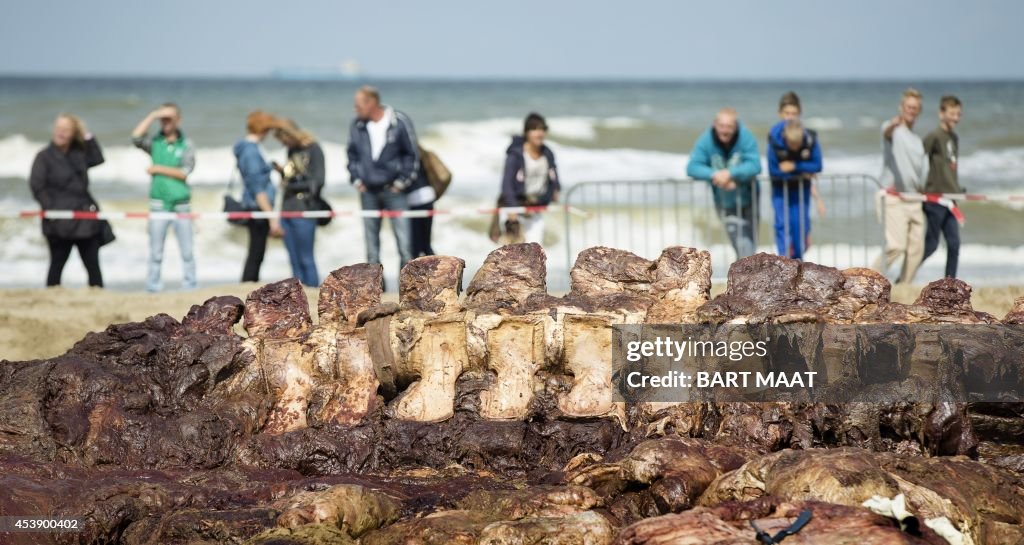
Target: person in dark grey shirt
(943,149)
(60,181)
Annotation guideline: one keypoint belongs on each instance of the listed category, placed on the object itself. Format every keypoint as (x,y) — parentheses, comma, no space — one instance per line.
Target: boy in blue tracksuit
(794,157)
(726,155)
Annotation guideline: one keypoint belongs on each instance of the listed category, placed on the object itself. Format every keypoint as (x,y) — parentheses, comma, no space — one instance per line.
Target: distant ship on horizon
(348,70)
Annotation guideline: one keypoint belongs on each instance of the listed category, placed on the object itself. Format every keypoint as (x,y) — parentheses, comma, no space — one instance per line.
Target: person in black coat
(60,181)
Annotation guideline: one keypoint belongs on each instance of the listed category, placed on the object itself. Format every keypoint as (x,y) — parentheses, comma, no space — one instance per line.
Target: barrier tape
(949,200)
(461,212)
(937,197)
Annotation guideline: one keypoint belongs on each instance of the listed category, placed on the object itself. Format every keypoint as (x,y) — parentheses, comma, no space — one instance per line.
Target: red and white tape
(938,197)
(459,212)
(949,200)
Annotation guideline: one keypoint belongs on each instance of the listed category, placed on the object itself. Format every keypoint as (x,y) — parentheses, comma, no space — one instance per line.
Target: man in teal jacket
(726,156)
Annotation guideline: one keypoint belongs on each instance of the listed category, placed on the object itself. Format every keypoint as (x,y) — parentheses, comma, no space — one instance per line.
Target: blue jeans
(792,206)
(385,199)
(299,236)
(157,234)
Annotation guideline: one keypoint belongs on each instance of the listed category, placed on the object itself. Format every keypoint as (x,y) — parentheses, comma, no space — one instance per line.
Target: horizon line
(269,76)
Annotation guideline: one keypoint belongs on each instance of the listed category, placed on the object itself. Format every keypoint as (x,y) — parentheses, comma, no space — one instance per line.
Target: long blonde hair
(300,136)
(77,127)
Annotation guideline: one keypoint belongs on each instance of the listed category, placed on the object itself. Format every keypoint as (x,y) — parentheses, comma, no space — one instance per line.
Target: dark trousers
(259,230)
(941,220)
(420,232)
(88,250)
(741,227)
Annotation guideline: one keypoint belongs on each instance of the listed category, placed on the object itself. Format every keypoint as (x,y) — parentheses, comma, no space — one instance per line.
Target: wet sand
(42,323)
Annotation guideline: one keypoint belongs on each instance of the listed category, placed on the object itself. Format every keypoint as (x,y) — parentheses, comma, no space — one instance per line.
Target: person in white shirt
(383,161)
(904,169)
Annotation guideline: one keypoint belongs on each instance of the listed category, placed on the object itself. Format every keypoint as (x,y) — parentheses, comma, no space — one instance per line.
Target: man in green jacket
(943,146)
(173,159)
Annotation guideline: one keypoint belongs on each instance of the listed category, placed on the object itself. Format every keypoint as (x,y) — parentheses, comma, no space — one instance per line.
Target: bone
(217,315)
(432,284)
(516,353)
(602,271)
(588,353)
(492,419)
(437,360)
(681,284)
(348,291)
(278,311)
(508,276)
(949,299)
(926,482)
(1016,314)
(353,509)
(347,386)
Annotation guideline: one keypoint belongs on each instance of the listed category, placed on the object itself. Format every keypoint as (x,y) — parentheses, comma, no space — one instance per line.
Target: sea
(620,132)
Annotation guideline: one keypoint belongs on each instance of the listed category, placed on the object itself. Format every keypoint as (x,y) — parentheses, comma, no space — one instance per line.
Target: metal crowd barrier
(644,217)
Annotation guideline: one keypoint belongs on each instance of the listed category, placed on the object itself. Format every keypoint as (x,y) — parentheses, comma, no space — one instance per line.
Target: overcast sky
(526,38)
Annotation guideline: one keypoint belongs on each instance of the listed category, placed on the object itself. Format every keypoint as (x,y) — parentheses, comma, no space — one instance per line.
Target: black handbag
(231,204)
(106,233)
(320,204)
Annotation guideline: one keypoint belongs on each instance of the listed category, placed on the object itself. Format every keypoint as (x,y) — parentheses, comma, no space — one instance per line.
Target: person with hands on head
(60,181)
(259,190)
(726,155)
(173,159)
(383,161)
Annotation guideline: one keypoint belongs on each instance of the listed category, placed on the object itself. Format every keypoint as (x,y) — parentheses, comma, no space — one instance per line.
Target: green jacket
(179,154)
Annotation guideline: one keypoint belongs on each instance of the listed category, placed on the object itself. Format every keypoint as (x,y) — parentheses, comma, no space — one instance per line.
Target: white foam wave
(868,122)
(475,153)
(823,123)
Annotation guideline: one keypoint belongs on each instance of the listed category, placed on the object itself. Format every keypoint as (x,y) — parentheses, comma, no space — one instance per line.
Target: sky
(557,39)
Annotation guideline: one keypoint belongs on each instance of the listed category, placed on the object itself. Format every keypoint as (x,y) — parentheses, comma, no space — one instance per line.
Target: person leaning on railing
(726,155)
(794,157)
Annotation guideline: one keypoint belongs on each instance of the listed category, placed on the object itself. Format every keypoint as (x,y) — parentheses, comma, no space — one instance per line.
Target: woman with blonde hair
(60,181)
(302,179)
(259,191)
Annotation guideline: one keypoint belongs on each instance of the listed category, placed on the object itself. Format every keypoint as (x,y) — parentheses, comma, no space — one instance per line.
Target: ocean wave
(867,122)
(475,152)
(823,123)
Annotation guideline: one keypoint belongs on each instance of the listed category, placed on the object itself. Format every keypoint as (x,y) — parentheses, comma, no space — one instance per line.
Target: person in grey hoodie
(904,169)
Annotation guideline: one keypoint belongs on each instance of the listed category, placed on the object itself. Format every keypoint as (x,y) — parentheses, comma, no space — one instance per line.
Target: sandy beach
(42,323)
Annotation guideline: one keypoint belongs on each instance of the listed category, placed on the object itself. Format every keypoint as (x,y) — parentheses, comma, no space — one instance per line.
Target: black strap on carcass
(798,524)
